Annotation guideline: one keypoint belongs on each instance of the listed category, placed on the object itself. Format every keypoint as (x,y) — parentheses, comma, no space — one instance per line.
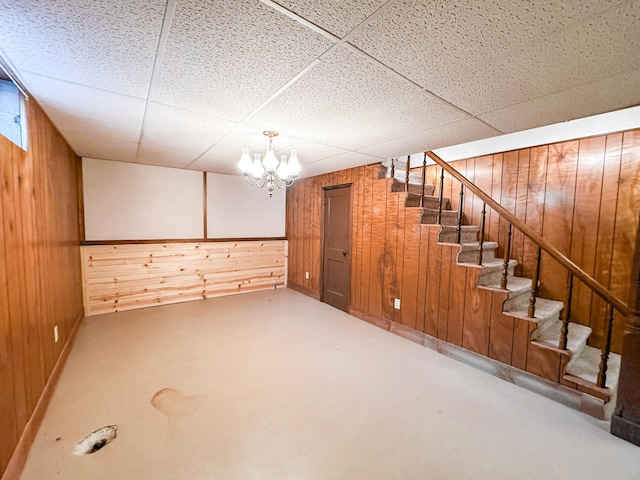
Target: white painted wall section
(127,201)
(236,209)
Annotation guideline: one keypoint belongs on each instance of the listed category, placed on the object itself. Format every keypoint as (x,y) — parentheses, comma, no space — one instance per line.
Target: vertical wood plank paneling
(539,186)
(535,203)
(422,278)
(584,237)
(458,288)
(434,281)
(626,221)
(40,281)
(390,261)
(517,246)
(561,182)
(365,248)
(606,228)
(378,227)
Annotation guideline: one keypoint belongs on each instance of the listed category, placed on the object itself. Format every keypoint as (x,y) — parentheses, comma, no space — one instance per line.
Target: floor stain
(176,405)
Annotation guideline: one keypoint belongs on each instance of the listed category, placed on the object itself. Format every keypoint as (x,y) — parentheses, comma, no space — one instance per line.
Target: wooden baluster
(602,374)
(482,220)
(440,196)
(406,174)
(507,254)
(460,205)
(534,286)
(424,178)
(566,313)
(393,168)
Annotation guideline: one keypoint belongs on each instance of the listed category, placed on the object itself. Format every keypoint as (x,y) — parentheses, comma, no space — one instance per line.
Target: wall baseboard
(592,406)
(20,454)
(303,290)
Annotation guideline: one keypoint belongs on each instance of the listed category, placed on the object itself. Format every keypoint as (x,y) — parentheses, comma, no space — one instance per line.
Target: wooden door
(337,247)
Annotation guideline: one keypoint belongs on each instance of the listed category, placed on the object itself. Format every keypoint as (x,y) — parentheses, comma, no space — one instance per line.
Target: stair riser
(447,218)
(493,277)
(429,201)
(451,236)
(517,299)
(471,256)
(415,188)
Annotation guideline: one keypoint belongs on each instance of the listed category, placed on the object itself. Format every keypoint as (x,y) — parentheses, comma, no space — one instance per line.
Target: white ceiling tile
(226,58)
(617,92)
(348,102)
(165,157)
(335,16)
(182,130)
(100,147)
(309,152)
(339,162)
(83,110)
(438,42)
(103,43)
(445,135)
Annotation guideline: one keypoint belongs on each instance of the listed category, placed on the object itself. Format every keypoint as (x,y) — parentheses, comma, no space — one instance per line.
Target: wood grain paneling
(581,195)
(40,283)
(125,277)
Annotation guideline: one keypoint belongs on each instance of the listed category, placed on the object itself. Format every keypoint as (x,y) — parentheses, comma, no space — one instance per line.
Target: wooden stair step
(546,310)
(448,233)
(429,201)
(586,366)
(447,217)
(549,335)
(469,251)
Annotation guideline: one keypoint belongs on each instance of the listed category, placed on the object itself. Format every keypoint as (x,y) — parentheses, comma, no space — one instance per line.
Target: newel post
(625,422)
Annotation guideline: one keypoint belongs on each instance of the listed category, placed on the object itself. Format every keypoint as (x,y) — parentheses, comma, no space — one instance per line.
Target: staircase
(579,362)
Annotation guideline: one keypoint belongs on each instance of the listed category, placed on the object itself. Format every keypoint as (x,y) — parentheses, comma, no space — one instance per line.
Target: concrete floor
(274,385)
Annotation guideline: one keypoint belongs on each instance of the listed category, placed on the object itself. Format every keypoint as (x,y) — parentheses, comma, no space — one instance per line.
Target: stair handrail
(536,238)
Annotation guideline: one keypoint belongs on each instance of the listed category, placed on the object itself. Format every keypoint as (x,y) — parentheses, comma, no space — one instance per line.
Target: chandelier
(269,171)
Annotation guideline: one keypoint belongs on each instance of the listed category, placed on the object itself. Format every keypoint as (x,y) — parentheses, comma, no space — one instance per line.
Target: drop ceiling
(187,83)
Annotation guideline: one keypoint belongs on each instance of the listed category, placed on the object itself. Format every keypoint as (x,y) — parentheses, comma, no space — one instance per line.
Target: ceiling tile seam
(277,93)
(389,69)
(344,153)
(310,25)
(157,65)
(83,85)
(186,110)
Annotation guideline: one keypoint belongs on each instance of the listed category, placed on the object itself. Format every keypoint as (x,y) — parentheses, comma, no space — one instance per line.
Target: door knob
(344,253)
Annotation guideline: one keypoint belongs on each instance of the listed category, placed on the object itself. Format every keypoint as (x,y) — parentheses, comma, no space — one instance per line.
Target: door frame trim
(324,207)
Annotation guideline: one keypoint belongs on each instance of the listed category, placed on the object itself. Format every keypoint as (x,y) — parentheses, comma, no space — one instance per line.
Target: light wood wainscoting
(128,276)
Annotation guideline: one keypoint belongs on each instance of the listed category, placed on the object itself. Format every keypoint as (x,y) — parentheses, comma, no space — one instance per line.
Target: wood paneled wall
(125,277)
(582,195)
(40,281)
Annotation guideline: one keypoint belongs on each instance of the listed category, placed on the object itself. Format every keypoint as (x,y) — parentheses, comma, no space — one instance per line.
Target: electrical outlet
(396,304)
(306,275)
(55,333)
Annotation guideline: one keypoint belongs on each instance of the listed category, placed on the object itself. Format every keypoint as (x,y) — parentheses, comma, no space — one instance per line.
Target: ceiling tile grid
(104,44)
(349,103)
(88,111)
(338,17)
(173,128)
(462,131)
(226,58)
(612,93)
(108,148)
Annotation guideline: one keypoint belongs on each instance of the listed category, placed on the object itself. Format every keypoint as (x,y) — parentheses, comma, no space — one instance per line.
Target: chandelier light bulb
(283,168)
(258,170)
(270,162)
(294,165)
(245,165)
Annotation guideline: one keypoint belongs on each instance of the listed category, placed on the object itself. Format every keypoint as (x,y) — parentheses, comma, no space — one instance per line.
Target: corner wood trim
(19,456)
(303,290)
(177,240)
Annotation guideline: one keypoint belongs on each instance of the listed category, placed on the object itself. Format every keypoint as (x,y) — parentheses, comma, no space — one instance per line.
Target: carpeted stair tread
(576,338)
(587,364)
(545,310)
(515,285)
